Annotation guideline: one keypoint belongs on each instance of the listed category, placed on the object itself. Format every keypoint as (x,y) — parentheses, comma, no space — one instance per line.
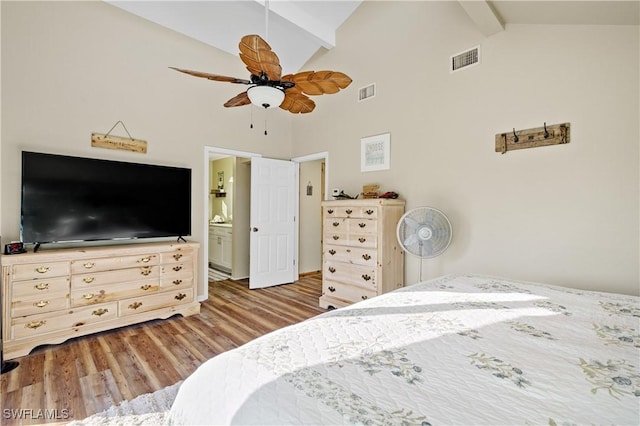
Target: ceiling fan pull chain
(265,123)
(251,126)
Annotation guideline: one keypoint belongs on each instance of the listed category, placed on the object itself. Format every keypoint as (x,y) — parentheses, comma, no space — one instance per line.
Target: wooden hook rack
(554,134)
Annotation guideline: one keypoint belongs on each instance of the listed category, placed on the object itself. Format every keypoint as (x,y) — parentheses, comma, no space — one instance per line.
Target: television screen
(68,198)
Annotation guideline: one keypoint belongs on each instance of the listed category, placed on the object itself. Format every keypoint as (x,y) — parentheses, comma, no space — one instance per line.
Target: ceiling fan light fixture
(265,96)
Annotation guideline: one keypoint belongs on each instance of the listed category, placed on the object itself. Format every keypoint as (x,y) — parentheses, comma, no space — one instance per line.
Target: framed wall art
(374,152)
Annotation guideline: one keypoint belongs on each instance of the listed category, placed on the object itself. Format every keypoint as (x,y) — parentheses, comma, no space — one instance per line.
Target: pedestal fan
(424,232)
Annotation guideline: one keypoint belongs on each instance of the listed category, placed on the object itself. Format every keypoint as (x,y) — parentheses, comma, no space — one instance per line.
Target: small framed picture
(374,154)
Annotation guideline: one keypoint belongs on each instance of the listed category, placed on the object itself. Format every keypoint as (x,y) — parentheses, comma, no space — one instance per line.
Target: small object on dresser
(370,191)
(390,194)
(14,248)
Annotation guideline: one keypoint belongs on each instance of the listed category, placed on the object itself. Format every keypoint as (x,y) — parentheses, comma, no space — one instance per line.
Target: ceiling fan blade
(213,76)
(258,56)
(239,100)
(319,82)
(297,103)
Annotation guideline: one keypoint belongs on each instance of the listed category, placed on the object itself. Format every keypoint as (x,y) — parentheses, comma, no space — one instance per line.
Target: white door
(274,191)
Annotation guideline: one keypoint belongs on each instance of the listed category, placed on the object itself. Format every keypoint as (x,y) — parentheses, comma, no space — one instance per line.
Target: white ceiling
(300,28)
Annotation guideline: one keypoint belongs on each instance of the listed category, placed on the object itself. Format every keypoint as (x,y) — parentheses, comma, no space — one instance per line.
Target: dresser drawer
(37,271)
(21,307)
(115,262)
(178,281)
(351,211)
(356,255)
(346,292)
(177,270)
(358,226)
(39,288)
(36,325)
(161,300)
(179,255)
(351,274)
(363,226)
(102,278)
(362,240)
(100,294)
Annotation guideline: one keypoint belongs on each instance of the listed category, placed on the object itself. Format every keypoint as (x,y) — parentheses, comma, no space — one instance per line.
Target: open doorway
(227,196)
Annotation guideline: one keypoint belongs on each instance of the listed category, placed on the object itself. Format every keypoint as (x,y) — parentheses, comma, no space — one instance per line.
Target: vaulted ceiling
(300,28)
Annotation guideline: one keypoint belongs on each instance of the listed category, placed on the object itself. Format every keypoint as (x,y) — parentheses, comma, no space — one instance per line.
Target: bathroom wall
(221,205)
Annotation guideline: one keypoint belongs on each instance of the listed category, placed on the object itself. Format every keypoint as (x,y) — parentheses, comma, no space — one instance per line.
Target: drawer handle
(35,324)
(369,212)
(88,279)
(332,252)
(362,239)
(177,256)
(366,256)
(362,225)
(365,297)
(89,265)
(366,277)
(177,268)
(88,296)
(41,286)
(145,271)
(330,211)
(335,237)
(42,269)
(145,287)
(42,303)
(332,269)
(145,260)
(135,305)
(336,224)
(349,211)
(180,296)
(100,312)
(177,282)
(332,289)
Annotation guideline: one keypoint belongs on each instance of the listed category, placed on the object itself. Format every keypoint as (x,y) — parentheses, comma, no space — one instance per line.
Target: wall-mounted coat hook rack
(555,134)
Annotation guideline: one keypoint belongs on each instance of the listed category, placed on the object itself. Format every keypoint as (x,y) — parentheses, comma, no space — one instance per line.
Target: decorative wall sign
(374,152)
(117,142)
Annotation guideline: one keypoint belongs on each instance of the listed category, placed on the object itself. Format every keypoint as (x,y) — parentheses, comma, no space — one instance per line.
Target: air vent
(465,59)
(367,92)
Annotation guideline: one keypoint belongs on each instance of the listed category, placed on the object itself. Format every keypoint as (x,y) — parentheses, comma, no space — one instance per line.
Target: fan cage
(424,232)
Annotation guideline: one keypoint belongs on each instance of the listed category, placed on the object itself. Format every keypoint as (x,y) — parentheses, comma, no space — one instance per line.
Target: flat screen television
(71,199)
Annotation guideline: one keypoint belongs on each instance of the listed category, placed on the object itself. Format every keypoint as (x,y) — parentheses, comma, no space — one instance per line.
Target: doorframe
(208,152)
(213,150)
(324,155)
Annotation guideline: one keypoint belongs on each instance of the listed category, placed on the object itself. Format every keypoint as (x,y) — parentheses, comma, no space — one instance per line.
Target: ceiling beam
(483,15)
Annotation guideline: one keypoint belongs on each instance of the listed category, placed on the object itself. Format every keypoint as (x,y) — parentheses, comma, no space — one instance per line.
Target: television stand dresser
(361,256)
(54,295)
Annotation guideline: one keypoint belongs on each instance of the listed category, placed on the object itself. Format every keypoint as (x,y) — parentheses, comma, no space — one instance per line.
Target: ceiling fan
(268,88)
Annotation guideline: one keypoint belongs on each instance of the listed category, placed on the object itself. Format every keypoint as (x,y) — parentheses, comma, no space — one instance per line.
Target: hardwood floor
(83,376)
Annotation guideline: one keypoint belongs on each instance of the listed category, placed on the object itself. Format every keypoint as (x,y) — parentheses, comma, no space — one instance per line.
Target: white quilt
(457,350)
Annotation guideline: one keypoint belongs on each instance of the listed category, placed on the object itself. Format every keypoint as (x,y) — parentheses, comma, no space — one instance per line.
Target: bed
(456,350)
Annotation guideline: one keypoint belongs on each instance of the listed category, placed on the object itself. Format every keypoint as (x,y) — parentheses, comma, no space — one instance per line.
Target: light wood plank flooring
(88,374)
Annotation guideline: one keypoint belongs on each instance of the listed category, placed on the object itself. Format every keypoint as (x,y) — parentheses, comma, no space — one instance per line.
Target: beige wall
(73,68)
(563,215)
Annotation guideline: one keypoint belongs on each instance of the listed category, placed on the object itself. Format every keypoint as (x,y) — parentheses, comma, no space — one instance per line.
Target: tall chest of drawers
(53,295)
(360,253)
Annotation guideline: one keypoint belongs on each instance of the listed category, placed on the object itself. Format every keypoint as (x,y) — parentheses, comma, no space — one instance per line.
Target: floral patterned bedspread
(456,350)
